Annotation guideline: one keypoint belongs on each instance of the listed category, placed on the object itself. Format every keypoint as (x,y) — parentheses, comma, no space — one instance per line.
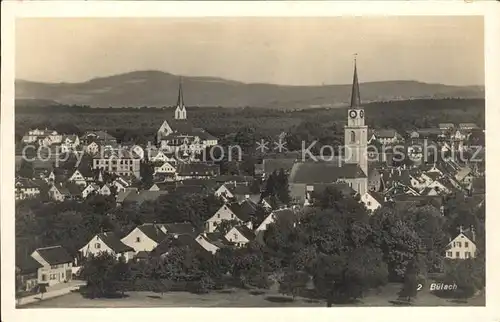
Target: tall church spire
(180,110)
(355,97)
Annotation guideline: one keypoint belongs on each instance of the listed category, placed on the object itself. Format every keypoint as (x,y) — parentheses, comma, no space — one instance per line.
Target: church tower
(180,110)
(356,132)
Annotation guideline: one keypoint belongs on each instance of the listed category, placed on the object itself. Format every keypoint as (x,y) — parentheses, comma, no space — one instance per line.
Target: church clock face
(361,113)
(353,114)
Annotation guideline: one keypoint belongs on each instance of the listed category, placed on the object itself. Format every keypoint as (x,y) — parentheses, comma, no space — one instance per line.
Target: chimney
(473,231)
(461,229)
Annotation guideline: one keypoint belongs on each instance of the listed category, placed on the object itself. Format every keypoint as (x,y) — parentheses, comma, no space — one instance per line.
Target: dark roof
(232,178)
(243,212)
(479,185)
(198,169)
(141,255)
(181,228)
(185,189)
(27,265)
(54,255)
(391,176)
(377,196)
(433,175)
(177,241)
(271,165)
(153,231)
(113,242)
(246,232)
(385,133)
(217,239)
(285,213)
(323,172)
(344,188)
(142,196)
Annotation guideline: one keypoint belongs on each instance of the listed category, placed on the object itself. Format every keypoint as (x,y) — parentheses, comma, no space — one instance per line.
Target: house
(91,188)
(175,229)
(145,237)
(92,148)
(121,184)
(374,179)
(26,189)
(69,143)
(98,137)
(177,241)
(229,212)
(107,242)
(27,273)
(56,265)
(385,136)
(212,242)
(372,200)
(446,126)
(240,235)
(280,214)
(166,167)
(236,192)
(197,170)
(468,126)
(65,191)
(78,178)
(105,190)
(119,162)
(463,246)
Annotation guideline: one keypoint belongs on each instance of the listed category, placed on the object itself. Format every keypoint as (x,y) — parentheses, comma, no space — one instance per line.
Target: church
(179,136)
(307,178)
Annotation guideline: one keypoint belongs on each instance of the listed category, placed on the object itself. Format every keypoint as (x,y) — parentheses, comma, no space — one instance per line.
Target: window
(97,245)
(62,275)
(44,277)
(235,236)
(353,136)
(369,203)
(449,254)
(138,239)
(467,254)
(54,266)
(466,244)
(457,254)
(218,215)
(459,244)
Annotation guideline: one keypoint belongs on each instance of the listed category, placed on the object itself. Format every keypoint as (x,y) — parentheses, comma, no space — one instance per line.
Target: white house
(92,187)
(145,237)
(372,200)
(240,236)
(121,184)
(165,168)
(56,265)
(105,190)
(228,212)
(463,246)
(92,148)
(107,242)
(78,178)
(212,242)
(69,143)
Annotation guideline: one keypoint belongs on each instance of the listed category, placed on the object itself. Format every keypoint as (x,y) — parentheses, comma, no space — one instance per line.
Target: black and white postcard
(167,155)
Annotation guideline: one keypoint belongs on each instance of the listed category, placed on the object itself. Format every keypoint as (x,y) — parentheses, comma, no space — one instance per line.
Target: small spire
(355,97)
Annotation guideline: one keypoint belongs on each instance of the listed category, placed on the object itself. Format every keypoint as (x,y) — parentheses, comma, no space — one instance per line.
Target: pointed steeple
(180,98)
(355,97)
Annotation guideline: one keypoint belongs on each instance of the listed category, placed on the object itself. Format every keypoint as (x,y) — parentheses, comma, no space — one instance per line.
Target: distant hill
(158,89)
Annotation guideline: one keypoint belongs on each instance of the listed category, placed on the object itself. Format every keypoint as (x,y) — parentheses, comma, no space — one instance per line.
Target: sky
(291,51)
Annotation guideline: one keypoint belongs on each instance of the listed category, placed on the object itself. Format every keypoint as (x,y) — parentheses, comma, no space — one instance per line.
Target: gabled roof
(323,172)
(113,242)
(178,241)
(467,126)
(378,197)
(54,255)
(342,187)
(246,232)
(216,239)
(27,264)
(153,231)
(241,212)
(385,133)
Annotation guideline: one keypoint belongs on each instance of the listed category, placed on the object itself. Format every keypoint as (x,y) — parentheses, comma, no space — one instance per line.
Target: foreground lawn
(239,298)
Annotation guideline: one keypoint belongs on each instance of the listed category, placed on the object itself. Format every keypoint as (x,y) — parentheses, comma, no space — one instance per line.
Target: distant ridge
(158,89)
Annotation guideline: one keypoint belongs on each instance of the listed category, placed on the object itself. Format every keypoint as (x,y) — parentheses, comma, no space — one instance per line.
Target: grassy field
(239,298)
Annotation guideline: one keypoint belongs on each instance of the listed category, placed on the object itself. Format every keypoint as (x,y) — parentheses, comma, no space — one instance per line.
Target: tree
(146,173)
(414,275)
(225,225)
(101,275)
(293,282)
(26,169)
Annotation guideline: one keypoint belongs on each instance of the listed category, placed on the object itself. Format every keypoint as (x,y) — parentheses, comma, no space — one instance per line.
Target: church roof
(355,96)
(323,172)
